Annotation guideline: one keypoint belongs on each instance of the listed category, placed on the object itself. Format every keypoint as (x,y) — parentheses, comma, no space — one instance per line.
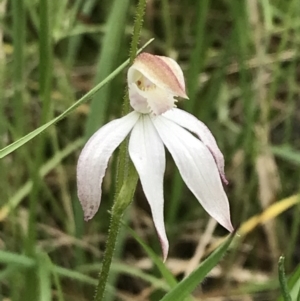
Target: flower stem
(123,159)
(109,250)
(122,201)
(126,174)
(138,23)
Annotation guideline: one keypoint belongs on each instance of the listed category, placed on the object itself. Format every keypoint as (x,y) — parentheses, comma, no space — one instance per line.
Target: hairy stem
(122,201)
(126,174)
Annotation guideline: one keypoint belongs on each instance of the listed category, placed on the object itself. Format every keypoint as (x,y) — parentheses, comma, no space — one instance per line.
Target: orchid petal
(160,72)
(158,100)
(153,82)
(137,101)
(197,168)
(94,158)
(194,125)
(176,70)
(147,153)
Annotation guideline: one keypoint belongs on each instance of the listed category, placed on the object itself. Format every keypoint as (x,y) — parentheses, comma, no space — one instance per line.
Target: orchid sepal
(153,82)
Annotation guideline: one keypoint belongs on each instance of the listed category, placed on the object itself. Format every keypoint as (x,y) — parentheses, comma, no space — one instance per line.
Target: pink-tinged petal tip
(164,72)
(153,82)
(93,161)
(197,168)
(197,127)
(147,153)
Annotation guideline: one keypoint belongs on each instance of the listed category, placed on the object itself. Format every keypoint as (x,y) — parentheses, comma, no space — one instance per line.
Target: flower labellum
(156,123)
(153,82)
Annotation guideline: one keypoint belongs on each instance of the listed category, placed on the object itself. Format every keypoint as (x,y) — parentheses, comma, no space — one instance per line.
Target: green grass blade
(19,30)
(17,259)
(44,274)
(198,55)
(282,280)
(20,142)
(128,269)
(186,286)
(26,262)
(45,63)
(136,272)
(110,50)
(167,275)
(287,153)
(293,285)
(168,25)
(75,41)
(74,275)
(21,193)
(57,284)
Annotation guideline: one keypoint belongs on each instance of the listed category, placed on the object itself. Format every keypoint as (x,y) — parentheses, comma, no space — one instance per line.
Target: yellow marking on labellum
(144,84)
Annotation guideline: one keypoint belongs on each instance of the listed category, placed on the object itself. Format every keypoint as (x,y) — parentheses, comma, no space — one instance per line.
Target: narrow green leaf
(19,46)
(57,285)
(110,49)
(74,275)
(282,280)
(128,269)
(20,194)
(45,61)
(75,41)
(20,142)
(137,272)
(12,258)
(287,153)
(167,275)
(293,286)
(44,273)
(26,262)
(187,285)
(198,55)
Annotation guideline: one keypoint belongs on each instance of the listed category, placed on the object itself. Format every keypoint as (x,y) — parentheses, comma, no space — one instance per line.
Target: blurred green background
(241,63)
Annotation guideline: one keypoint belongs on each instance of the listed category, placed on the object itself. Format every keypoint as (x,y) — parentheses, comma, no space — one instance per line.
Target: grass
(241,65)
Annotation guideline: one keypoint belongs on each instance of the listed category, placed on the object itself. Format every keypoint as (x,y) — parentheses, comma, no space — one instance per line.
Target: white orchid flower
(153,83)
